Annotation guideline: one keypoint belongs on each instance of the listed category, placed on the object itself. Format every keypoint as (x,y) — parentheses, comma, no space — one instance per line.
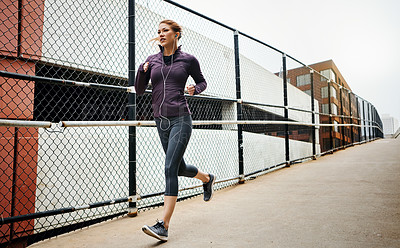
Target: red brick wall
(6,174)
(9,27)
(31,28)
(20,40)
(16,96)
(318,84)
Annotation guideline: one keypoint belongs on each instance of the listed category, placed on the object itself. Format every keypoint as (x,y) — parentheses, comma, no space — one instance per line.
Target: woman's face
(166,35)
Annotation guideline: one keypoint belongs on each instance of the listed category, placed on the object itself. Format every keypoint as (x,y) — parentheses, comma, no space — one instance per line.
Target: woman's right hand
(146,66)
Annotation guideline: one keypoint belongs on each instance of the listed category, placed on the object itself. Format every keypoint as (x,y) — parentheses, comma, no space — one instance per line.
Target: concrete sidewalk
(348,199)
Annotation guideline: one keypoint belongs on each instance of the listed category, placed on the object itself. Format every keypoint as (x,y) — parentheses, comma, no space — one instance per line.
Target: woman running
(169,70)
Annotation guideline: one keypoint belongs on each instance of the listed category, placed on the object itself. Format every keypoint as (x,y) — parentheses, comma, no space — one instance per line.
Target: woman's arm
(197,75)
(142,77)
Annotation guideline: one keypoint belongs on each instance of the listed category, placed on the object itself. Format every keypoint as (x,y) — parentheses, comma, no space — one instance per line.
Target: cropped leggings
(175,133)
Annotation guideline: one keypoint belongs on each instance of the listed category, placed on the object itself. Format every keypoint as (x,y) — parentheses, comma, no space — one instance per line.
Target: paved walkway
(348,199)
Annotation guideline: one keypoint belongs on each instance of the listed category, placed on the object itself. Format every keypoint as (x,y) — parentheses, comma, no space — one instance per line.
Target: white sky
(362,37)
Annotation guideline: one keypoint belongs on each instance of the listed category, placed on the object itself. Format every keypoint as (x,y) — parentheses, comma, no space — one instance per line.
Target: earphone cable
(164,83)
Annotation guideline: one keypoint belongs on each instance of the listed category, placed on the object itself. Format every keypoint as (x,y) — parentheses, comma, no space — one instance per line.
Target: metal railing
(74,135)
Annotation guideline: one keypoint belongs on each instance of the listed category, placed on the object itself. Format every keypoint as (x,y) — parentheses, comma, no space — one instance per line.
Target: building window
(328,74)
(333,92)
(336,128)
(308,92)
(325,108)
(303,79)
(345,103)
(334,109)
(324,92)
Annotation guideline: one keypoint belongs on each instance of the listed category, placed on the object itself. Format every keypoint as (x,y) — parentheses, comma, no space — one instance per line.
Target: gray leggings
(175,133)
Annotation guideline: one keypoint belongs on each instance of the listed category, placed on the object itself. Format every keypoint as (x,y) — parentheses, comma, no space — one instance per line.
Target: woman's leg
(207,179)
(188,170)
(174,142)
(169,206)
(174,147)
(204,177)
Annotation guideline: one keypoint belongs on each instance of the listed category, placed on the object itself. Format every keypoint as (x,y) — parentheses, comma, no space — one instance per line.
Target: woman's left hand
(190,89)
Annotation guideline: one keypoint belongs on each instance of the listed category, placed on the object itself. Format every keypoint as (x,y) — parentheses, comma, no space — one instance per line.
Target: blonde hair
(174,26)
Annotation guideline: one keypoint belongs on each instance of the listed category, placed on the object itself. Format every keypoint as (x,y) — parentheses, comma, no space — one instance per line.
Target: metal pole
(364,121)
(23,123)
(239,107)
(313,116)
(65,82)
(285,103)
(369,121)
(54,212)
(342,138)
(14,188)
(351,120)
(373,122)
(132,211)
(377,122)
(330,115)
(194,123)
(359,118)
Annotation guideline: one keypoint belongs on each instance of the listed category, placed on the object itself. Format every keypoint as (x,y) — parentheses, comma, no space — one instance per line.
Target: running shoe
(208,188)
(157,231)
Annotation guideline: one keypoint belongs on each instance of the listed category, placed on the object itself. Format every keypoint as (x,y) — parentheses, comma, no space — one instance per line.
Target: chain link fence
(79,147)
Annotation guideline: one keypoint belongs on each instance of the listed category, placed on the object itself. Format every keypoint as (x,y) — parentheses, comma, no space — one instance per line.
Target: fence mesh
(51,169)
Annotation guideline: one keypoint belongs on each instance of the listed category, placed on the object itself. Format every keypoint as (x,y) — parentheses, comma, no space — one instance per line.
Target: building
(335,104)
(390,125)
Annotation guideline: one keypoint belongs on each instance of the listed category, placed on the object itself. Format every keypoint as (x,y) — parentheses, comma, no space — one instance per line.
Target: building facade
(337,105)
(390,125)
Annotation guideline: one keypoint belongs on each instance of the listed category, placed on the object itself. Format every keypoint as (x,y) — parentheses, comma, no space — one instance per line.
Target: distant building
(336,101)
(390,125)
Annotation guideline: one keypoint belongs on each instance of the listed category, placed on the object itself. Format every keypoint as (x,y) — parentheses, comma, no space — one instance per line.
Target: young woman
(169,70)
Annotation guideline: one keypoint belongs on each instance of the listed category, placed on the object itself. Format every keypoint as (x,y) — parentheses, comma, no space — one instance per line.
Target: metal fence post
(342,135)
(285,103)
(369,121)
(132,109)
(330,115)
(362,128)
(376,120)
(313,116)
(358,118)
(373,121)
(351,119)
(364,121)
(14,184)
(239,107)
(377,123)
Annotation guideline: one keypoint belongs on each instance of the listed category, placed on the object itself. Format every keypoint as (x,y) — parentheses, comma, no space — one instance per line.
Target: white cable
(164,81)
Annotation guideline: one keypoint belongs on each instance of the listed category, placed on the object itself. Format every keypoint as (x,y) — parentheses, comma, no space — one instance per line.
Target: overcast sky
(362,37)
